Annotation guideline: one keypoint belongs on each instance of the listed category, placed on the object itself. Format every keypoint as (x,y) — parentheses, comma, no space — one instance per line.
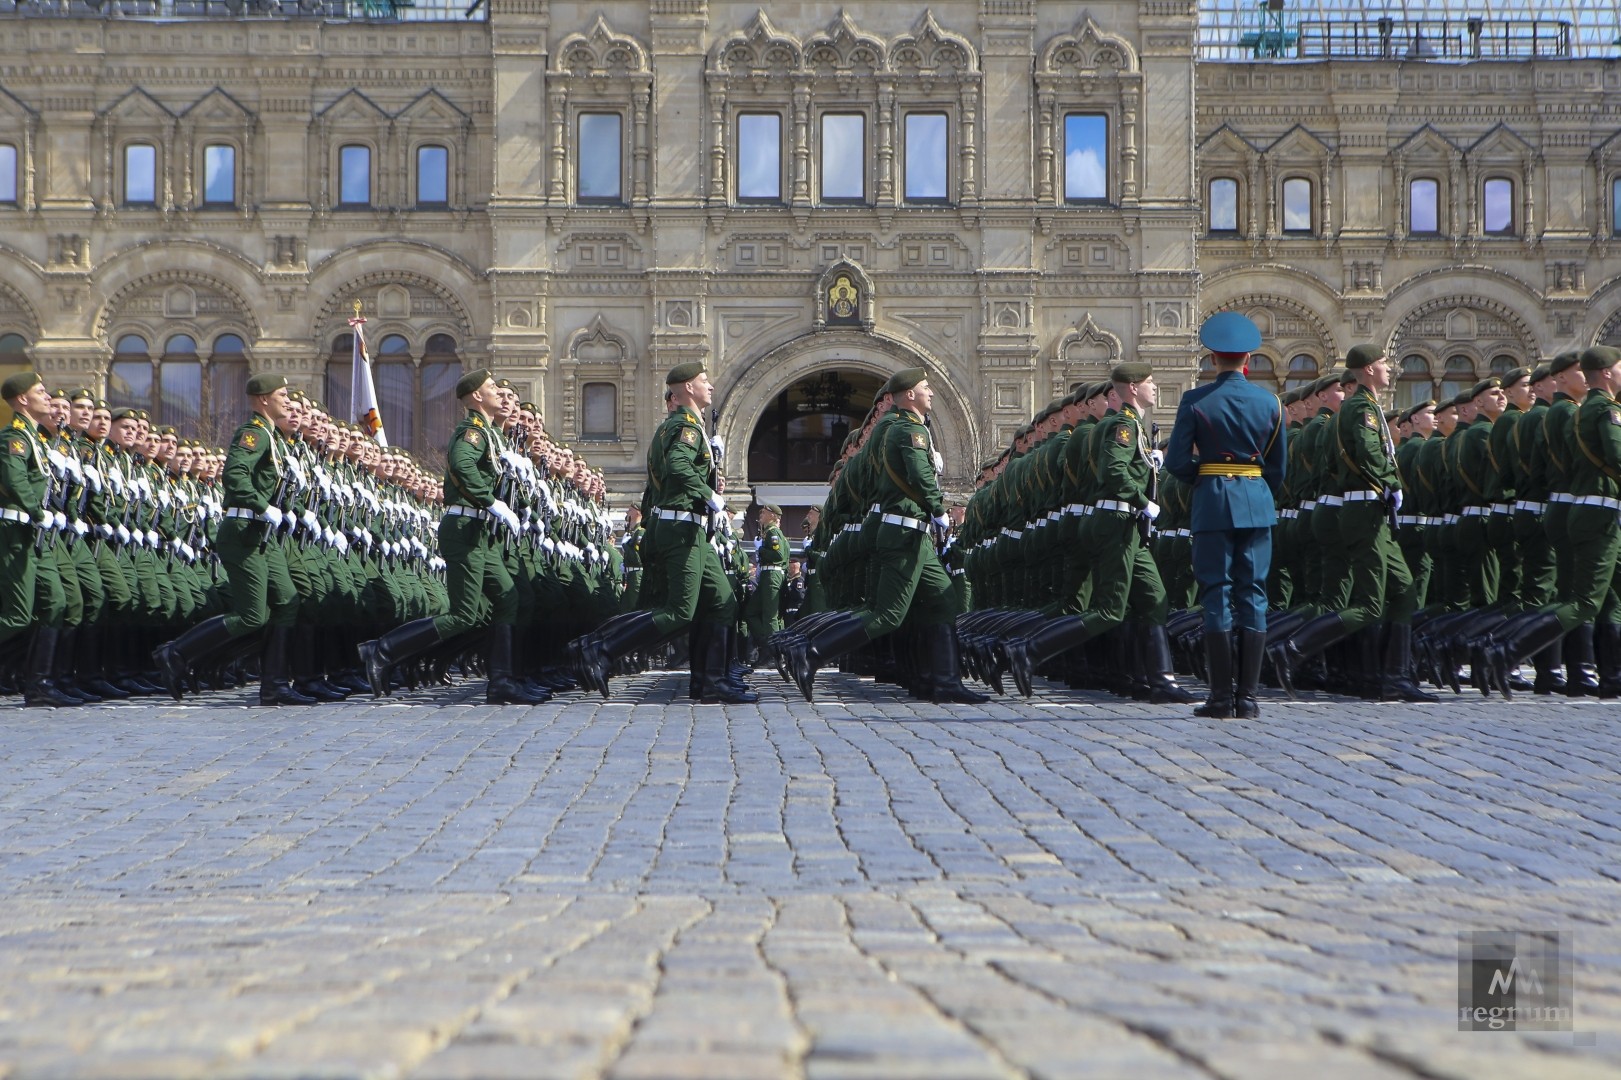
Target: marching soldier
(1380,585)
(476,526)
(262,592)
(1593,475)
(691,584)
(763,611)
(1125,583)
(1229,443)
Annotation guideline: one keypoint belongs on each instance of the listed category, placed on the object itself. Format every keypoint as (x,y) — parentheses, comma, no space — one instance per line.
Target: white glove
(123,535)
(715,503)
(1151,511)
(273,515)
(939,462)
(105,531)
(342,542)
(185,550)
(504,514)
(1395,501)
(81,528)
(1158,458)
(153,540)
(312,524)
(940,521)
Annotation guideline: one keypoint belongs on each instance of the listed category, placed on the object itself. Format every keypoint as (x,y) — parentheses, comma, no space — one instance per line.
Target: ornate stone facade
(441,174)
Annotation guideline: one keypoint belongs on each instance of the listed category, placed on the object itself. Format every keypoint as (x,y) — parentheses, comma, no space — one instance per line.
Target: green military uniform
(24,481)
(763,611)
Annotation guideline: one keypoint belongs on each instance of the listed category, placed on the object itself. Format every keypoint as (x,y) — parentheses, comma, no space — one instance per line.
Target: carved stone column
(969,156)
(557,102)
(717,147)
(801,144)
(639,148)
(886,144)
(1128,147)
(1044,148)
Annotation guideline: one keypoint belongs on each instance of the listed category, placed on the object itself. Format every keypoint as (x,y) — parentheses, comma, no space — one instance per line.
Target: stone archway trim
(743,399)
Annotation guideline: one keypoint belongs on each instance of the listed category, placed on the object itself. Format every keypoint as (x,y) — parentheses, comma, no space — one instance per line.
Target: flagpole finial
(358,306)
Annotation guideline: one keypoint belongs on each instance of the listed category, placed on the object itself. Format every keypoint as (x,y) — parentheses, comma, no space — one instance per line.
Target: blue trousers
(1231,566)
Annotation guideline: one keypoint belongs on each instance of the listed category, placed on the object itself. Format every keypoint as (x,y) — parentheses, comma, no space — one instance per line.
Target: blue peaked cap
(1229,332)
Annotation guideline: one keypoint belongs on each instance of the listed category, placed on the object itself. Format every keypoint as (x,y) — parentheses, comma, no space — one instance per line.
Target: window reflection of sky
(1297,205)
(1086,153)
(844,165)
(759,156)
(1425,209)
(926,156)
(1223,205)
(599,155)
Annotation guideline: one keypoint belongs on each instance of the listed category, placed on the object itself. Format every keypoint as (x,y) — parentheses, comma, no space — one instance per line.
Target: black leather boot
(698,649)
(38,689)
(274,687)
(401,643)
(174,659)
(1581,673)
(833,639)
(1550,676)
(1607,650)
(1157,672)
(591,657)
(718,686)
(503,688)
(92,667)
(1532,637)
(1025,653)
(1251,652)
(945,667)
(62,667)
(1218,662)
(1397,683)
(1311,639)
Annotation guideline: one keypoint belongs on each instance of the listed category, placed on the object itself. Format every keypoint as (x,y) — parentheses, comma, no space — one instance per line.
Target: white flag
(362,391)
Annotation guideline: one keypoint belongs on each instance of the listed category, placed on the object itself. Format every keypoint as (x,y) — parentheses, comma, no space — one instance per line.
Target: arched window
(129,379)
(1086,158)
(1458,376)
(1423,207)
(1261,372)
(1302,371)
(180,385)
(1297,215)
(396,379)
(441,370)
(1222,207)
(1503,363)
(1497,207)
(227,388)
(1415,384)
(340,365)
(599,411)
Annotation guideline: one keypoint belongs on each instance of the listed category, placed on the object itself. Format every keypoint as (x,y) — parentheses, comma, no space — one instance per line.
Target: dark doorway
(798,438)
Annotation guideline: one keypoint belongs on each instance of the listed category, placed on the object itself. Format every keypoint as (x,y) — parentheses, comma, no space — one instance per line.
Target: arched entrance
(797,439)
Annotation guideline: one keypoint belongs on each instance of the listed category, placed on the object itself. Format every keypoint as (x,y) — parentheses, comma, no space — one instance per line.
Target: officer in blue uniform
(1228,444)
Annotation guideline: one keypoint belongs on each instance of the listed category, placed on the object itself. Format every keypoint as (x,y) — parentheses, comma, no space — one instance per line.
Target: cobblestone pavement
(1066,887)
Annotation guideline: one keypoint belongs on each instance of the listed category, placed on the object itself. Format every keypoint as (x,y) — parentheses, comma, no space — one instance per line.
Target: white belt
(469,511)
(1038,523)
(1181,533)
(1309,504)
(1360,496)
(1597,500)
(1077,509)
(1530,507)
(677,515)
(21,517)
(905,522)
(875,508)
(1054,515)
(1449,519)
(1475,511)
(1288,515)
(1013,534)
(1408,519)
(1117,507)
(1329,500)
(1502,508)
(242,512)
(1561,497)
